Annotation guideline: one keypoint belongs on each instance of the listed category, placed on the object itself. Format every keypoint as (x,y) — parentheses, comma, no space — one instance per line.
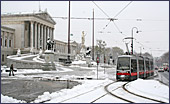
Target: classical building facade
(31,30)
(61,48)
(7,42)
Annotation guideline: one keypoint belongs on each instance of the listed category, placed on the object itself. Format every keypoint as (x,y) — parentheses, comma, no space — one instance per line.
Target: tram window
(147,65)
(141,65)
(151,65)
(133,65)
(123,63)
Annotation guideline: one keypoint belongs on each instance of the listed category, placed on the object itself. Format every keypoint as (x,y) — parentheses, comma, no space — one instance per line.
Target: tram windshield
(123,63)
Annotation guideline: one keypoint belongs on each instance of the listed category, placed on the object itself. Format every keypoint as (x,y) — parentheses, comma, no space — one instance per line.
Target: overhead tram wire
(104,13)
(144,46)
(118,14)
(86,18)
(101,9)
(109,17)
(123,9)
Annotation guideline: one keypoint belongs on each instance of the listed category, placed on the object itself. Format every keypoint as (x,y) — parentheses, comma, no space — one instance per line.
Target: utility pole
(93,39)
(68,58)
(39,7)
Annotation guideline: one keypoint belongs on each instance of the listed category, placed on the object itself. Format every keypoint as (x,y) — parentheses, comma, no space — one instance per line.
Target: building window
(3,58)
(9,43)
(5,42)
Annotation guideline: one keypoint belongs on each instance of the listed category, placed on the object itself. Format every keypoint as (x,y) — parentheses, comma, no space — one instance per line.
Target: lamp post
(132,38)
(104,44)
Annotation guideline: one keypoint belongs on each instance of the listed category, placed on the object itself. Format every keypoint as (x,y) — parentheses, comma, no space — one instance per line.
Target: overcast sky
(154,25)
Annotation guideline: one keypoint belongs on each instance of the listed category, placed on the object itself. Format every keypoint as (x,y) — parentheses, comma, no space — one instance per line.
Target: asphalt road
(164,77)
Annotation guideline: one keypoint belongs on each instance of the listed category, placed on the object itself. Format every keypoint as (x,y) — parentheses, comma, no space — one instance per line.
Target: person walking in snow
(11,70)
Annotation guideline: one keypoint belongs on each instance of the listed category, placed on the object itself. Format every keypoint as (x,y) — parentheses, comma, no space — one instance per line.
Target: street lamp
(104,44)
(132,37)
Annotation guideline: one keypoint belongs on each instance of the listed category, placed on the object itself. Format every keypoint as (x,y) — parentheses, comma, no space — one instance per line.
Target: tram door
(133,69)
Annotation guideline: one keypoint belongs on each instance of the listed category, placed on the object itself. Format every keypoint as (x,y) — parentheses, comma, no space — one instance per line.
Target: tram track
(128,96)
(106,89)
(115,89)
(87,92)
(141,95)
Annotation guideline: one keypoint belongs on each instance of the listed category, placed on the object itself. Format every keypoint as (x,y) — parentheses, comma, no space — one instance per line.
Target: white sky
(154,24)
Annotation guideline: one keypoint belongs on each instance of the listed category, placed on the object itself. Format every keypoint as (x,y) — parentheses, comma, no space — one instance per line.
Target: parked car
(156,68)
(165,68)
(168,69)
(161,69)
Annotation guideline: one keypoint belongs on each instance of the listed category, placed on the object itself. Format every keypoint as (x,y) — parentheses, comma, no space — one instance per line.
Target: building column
(42,34)
(31,40)
(7,37)
(52,33)
(45,37)
(22,42)
(38,38)
(35,35)
(3,45)
(49,32)
(48,35)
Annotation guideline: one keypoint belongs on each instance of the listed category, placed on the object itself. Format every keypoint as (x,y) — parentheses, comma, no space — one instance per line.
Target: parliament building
(28,31)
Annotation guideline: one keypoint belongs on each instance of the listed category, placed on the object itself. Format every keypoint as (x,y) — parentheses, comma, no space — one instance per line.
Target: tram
(131,67)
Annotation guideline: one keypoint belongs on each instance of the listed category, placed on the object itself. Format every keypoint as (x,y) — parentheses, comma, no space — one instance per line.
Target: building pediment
(45,16)
(41,15)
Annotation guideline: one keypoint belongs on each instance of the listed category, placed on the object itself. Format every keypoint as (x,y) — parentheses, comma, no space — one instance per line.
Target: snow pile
(79,62)
(62,69)
(38,59)
(15,57)
(59,96)
(150,88)
(94,63)
(6,99)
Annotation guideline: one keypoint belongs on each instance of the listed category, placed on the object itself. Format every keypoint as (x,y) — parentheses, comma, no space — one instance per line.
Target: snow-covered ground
(150,88)
(92,89)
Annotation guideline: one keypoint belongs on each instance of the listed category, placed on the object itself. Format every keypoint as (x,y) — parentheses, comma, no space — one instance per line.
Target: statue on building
(82,38)
(50,44)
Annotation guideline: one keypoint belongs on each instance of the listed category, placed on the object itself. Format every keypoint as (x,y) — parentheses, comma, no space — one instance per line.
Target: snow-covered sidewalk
(150,88)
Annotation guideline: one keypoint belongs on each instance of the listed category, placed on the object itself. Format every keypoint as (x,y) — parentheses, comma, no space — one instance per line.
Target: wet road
(164,77)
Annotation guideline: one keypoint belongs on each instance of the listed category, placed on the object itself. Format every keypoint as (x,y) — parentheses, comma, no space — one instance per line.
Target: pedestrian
(11,70)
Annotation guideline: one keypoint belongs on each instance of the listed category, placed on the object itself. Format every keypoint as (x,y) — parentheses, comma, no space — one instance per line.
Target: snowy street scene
(66,85)
(84,52)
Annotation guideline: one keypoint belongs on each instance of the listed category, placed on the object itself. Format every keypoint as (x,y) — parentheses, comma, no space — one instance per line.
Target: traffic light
(97,60)
(132,49)
(131,46)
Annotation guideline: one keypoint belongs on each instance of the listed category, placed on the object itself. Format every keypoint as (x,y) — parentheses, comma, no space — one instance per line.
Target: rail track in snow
(130,97)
